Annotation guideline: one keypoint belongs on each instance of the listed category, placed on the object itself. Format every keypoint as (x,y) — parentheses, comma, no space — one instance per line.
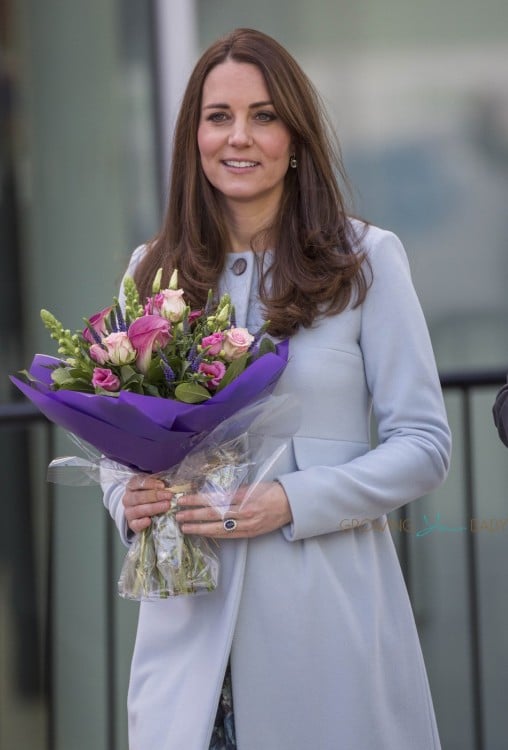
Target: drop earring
(292,161)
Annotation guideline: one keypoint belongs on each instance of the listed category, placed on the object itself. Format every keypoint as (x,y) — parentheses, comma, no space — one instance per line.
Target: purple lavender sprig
(169,374)
(112,321)
(194,359)
(93,333)
(122,325)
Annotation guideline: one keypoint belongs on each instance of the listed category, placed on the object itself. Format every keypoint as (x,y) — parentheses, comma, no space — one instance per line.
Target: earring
(292,161)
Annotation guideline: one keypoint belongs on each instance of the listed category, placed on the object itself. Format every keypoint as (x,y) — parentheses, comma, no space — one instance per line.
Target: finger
(147,510)
(143,497)
(217,529)
(139,524)
(203,500)
(144,482)
(140,517)
(203,514)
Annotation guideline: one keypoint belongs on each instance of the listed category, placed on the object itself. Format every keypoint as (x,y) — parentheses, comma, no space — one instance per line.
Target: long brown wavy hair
(317,266)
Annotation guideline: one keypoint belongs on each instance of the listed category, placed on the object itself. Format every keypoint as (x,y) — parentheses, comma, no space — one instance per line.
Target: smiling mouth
(240,164)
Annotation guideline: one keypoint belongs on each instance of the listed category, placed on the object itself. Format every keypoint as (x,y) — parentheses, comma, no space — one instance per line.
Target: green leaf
(134,386)
(126,372)
(191,393)
(235,369)
(27,377)
(79,373)
(155,370)
(266,346)
(61,375)
(128,375)
(150,390)
(77,385)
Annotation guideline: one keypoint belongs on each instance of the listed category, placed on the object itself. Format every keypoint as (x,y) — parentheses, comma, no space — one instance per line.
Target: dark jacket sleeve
(500,413)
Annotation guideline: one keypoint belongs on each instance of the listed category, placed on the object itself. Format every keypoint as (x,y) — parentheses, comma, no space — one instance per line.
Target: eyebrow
(223,105)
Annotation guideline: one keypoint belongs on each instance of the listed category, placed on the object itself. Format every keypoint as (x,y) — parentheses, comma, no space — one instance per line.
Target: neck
(245,221)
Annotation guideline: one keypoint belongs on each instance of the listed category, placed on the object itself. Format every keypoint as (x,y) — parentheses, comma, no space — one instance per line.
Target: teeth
(240,163)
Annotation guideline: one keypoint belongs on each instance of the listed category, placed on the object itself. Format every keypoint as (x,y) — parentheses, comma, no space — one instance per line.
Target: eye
(217,117)
(266,116)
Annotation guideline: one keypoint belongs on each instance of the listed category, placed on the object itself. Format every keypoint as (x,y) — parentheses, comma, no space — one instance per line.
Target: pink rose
(213,343)
(169,304)
(98,354)
(216,369)
(147,334)
(236,342)
(153,304)
(98,323)
(149,308)
(194,315)
(105,379)
(119,348)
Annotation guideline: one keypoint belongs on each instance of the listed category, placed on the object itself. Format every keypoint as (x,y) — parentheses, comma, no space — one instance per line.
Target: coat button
(239,266)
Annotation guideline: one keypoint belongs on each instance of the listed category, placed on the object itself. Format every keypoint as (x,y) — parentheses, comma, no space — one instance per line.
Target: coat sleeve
(414,441)
(113,492)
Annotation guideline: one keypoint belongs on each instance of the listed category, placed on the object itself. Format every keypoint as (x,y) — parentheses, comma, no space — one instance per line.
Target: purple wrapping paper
(144,432)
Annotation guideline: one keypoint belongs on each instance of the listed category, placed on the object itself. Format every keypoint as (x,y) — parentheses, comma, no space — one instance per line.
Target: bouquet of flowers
(149,386)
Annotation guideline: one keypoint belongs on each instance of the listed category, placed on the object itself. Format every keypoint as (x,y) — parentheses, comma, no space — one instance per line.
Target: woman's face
(244,146)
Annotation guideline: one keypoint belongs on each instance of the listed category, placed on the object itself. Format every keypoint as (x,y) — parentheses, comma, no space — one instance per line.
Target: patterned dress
(223,735)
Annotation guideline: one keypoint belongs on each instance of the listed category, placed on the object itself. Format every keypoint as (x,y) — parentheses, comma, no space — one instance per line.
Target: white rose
(236,342)
(119,349)
(171,304)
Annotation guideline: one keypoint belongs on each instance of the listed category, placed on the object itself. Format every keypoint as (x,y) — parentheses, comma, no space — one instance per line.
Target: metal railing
(22,415)
(19,416)
(465,383)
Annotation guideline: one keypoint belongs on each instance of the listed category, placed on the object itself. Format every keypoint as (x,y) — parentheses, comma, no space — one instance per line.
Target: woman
(311,611)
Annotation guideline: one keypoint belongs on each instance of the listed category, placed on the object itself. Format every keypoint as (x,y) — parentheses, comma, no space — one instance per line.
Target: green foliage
(235,369)
(133,307)
(191,393)
(266,346)
(67,344)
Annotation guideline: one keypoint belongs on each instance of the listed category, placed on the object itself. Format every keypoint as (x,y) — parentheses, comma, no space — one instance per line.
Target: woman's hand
(144,497)
(256,511)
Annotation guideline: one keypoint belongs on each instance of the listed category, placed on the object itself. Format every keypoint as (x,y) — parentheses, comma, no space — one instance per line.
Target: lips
(240,163)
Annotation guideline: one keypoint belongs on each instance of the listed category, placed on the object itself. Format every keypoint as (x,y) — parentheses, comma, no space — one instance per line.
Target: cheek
(205,144)
(280,147)
(206,150)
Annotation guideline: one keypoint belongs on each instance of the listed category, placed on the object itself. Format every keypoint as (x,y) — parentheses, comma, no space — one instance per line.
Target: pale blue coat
(316,617)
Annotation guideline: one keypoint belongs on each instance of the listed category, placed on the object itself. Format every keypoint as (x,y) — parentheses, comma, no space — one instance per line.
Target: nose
(240,134)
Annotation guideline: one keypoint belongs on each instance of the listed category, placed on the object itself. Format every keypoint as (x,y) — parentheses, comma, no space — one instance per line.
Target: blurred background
(418,93)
